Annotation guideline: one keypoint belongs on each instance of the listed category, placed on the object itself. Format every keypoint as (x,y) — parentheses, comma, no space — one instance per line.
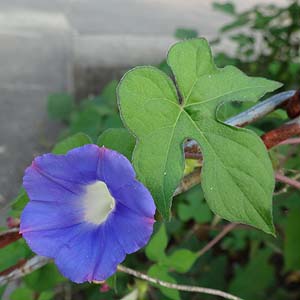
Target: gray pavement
(22,137)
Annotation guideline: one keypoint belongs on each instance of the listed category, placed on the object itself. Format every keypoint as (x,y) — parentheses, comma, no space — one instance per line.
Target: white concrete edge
(118,51)
(32,22)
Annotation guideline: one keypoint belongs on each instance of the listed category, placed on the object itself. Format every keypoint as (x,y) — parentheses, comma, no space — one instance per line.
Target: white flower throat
(98,203)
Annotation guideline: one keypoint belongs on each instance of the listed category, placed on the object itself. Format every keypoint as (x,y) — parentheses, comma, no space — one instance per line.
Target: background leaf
(184,33)
(155,249)
(22,293)
(60,106)
(259,269)
(74,141)
(227,7)
(118,139)
(181,260)
(161,273)
(195,207)
(292,241)
(44,279)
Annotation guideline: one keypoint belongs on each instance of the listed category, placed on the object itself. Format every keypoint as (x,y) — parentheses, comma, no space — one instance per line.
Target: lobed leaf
(237,176)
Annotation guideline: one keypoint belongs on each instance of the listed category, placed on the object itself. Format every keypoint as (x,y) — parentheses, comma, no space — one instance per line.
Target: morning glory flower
(86,211)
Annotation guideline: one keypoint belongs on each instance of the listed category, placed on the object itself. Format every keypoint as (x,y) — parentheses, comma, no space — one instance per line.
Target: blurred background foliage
(267,40)
(247,262)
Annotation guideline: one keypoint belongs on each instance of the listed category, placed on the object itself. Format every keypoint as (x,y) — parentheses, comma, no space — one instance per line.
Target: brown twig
(188,181)
(291,141)
(13,222)
(23,269)
(214,241)
(18,265)
(179,287)
(292,106)
(289,181)
(9,236)
(192,155)
(282,133)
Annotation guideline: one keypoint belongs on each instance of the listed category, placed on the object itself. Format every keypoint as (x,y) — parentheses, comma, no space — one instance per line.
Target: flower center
(98,203)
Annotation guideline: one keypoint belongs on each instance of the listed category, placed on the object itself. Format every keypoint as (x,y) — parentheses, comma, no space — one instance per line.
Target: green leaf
(242,39)
(226,7)
(47,295)
(237,176)
(259,269)
(22,293)
(262,21)
(113,121)
(185,33)
(19,202)
(88,121)
(181,260)
(292,241)
(209,269)
(196,208)
(44,279)
(60,106)
(12,254)
(109,93)
(294,68)
(155,249)
(239,239)
(118,139)
(74,141)
(239,22)
(161,272)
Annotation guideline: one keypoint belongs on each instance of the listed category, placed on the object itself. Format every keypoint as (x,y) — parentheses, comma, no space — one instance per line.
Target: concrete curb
(120,51)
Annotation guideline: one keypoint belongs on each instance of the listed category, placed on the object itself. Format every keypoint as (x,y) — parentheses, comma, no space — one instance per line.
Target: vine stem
(37,262)
(214,241)
(276,136)
(179,287)
(287,180)
(262,109)
(9,236)
(23,268)
(291,141)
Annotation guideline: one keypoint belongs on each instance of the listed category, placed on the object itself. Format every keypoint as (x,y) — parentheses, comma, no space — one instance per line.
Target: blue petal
(92,255)
(78,165)
(85,161)
(48,242)
(136,197)
(115,169)
(43,187)
(76,258)
(41,215)
(132,230)
(110,253)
